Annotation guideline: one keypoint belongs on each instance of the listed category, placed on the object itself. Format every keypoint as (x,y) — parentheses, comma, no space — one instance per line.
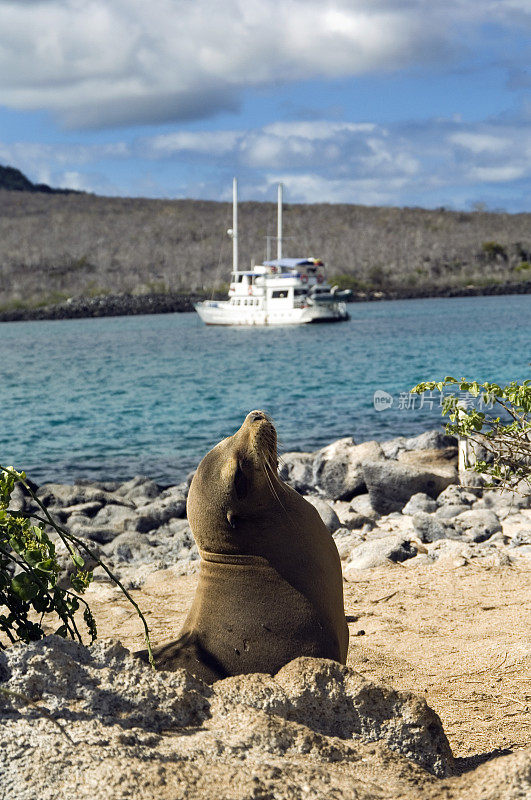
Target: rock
(345,541)
(64,495)
(429,528)
(20,498)
(431,440)
(355,521)
(336,701)
(521,539)
(153,515)
(316,729)
(338,468)
(420,502)
(85,509)
(131,547)
(85,529)
(139,490)
(479,524)
(393,447)
(503,498)
(391,484)
(443,462)
(175,493)
(380,551)
(450,511)
(107,486)
(326,512)
(115,517)
(296,470)
(362,505)
(103,681)
(456,495)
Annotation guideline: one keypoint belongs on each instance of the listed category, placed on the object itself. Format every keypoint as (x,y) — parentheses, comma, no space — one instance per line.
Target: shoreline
(117,305)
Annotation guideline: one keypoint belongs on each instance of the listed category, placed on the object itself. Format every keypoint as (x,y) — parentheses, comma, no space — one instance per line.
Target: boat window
(240,278)
(299,292)
(279,293)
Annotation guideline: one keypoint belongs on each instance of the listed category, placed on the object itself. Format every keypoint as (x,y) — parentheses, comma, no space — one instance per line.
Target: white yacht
(283,291)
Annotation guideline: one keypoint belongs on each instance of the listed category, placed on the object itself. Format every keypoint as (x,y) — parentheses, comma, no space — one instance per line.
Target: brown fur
(270,585)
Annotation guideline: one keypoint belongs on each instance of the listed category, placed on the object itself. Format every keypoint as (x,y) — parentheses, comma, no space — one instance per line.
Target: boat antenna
(279,223)
(233,232)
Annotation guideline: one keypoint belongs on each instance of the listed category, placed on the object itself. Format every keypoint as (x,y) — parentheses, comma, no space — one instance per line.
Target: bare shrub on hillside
(83,244)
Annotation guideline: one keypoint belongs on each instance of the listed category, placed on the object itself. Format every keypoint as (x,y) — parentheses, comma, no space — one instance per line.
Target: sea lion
(270,584)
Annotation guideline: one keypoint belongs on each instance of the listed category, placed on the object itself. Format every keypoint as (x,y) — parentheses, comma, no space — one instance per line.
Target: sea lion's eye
(240,483)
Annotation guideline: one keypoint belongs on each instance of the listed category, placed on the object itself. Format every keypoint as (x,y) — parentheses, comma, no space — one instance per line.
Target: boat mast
(279,223)
(234,225)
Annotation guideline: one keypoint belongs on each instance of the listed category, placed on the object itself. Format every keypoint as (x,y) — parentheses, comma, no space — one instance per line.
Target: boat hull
(223,313)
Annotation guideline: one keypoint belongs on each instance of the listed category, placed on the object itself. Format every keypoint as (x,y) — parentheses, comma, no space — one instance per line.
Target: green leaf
(40,603)
(76,558)
(25,586)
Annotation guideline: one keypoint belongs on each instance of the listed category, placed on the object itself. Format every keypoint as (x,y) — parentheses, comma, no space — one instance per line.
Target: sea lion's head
(236,481)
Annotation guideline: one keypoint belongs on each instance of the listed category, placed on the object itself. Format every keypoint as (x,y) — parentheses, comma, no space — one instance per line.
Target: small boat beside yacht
(281,291)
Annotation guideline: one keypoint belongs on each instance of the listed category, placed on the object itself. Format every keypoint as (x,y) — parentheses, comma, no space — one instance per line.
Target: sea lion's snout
(260,438)
(258,416)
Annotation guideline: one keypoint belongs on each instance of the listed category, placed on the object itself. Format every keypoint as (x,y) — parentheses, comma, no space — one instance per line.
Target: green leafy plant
(505,434)
(29,571)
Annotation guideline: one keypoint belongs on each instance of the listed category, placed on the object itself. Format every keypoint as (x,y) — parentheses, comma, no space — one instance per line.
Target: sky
(378,102)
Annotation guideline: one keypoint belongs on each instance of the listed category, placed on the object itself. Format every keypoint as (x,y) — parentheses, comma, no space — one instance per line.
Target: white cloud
(111,62)
(433,162)
(208,142)
(480,142)
(500,174)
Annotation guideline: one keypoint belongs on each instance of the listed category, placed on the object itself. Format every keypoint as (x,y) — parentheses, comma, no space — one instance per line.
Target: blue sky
(379,102)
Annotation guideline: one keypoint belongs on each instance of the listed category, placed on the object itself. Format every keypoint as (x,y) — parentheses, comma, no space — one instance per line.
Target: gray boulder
(83,509)
(338,468)
(315,723)
(361,504)
(379,551)
(391,484)
(336,701)
(431,440)
(478,524)
(115,517)
(131,547)
(152,515)
(296,470)
(140,490)
(393,447)
(449,511)
(443,462)
(326,512)
(345,541)
(429,528)
(62,495)
(86,529)
(456,495)
(420,502)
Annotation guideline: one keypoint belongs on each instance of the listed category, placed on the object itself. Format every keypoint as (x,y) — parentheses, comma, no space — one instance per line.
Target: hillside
(57,245)
(14,180)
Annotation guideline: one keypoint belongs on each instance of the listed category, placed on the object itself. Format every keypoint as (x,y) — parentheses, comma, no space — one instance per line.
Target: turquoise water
(115,397)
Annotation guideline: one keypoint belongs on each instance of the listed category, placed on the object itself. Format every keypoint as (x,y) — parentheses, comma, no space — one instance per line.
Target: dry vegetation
(56,246)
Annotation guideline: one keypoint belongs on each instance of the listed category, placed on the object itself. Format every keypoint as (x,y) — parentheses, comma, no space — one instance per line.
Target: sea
(115,397)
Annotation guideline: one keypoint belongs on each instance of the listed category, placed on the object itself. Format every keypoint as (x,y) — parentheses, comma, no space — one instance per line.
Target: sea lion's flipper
(186,652)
